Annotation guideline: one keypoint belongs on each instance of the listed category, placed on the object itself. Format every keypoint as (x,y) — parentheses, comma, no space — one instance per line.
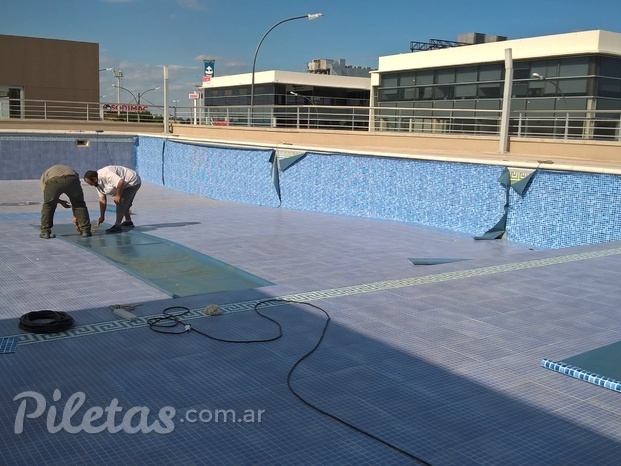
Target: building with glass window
(287,88)
(576,72)
(288,99)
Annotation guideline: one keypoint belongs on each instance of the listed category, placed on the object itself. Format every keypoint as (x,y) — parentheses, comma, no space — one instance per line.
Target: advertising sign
(209,68)
(125,108)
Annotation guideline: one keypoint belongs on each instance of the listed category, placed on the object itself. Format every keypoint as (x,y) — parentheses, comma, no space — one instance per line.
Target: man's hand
(117,199)
(64,203)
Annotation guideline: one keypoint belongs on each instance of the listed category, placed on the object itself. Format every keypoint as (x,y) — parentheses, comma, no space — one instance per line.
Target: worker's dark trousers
(53,189)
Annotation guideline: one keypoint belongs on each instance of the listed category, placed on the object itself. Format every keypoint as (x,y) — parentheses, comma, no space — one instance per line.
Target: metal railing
(560,124)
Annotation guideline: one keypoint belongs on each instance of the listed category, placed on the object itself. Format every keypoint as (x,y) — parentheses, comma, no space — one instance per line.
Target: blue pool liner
(578,373)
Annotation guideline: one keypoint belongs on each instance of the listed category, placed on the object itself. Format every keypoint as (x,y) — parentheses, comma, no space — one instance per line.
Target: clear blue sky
(138,37)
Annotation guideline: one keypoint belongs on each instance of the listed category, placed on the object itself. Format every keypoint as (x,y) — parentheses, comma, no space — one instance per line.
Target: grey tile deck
(441,361)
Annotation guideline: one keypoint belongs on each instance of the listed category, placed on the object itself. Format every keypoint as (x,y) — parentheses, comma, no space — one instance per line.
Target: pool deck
(441,362)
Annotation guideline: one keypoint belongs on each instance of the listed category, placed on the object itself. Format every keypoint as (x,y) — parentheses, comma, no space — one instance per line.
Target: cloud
(192,5)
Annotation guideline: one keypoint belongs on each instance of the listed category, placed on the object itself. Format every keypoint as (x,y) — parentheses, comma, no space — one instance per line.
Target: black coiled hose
(45,321)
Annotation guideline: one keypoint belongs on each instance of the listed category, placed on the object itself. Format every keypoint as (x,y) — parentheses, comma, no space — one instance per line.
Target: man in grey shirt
(55,181)
(122,183)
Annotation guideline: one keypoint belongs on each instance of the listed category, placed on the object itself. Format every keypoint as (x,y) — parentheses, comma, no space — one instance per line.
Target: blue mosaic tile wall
(239,175)
(559,209)
(463,198)
(26,157)
(562,209)
(149,158)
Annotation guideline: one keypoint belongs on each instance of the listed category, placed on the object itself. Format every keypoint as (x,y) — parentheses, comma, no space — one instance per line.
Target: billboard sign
(209,69)
(125,108)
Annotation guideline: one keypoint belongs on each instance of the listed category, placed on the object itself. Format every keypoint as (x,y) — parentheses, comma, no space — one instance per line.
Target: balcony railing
(561,124)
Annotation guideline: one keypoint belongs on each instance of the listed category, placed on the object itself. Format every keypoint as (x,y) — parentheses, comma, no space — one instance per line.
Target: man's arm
(120,186)
(103,203)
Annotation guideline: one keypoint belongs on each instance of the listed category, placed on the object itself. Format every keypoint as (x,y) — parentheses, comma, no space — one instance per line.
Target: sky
(139,37)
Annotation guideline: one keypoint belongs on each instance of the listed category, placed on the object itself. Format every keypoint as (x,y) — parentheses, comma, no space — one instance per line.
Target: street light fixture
(137,97)
(254,61)
(119,76)
(303,96)
(312,102)
(543,78)
(175,102)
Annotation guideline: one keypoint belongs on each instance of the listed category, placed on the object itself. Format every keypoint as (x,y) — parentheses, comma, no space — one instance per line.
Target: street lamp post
(101,113)
(119,76)
(312,102)
(136,97)
(543,78)
(175,102)
(254,61)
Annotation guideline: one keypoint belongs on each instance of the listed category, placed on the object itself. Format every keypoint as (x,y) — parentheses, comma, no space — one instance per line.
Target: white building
(579,71)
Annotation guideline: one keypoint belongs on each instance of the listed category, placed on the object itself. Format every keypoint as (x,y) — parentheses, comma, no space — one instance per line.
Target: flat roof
(574,43)
(290,77)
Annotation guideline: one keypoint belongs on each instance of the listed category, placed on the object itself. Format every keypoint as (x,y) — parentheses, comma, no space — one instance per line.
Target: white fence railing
(561,124)
(567,124)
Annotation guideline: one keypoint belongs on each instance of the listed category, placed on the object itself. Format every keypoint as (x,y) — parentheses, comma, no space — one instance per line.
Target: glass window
(445,92)
(445,76)
(407,78)
(536,87)
(388,94)
(541,104)
(518,104)
(520,89)
(610,67)
(608,104)
(489,90)
(490,73)
(424,77)
(609,88)
(547,68)
(390,80)
(573,86)
(409,93)
(466,91)
(575,66)
(489,104)
(467,74)
(521,70)
(425,93)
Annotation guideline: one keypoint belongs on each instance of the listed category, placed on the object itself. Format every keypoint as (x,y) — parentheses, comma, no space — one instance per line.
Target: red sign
(125,108)
(206,79)
(193,96)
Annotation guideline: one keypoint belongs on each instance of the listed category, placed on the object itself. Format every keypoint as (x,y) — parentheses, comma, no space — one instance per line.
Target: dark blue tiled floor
(439,361)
